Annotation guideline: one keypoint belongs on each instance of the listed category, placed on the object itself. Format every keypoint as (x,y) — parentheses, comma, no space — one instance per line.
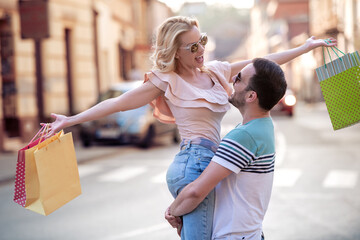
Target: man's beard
(237,99)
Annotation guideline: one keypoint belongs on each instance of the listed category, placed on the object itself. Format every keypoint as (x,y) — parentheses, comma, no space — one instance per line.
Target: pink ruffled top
(196,111)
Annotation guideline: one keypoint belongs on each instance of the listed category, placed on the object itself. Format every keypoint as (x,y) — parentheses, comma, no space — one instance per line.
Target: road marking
(284,177)
(86,170)
(340,179)
(160,178)
(140,231)
(122,174)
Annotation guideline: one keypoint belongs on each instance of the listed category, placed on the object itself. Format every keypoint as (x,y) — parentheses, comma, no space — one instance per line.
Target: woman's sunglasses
(195,46)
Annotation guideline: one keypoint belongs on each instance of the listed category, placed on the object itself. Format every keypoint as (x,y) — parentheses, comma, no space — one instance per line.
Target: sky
(176,4)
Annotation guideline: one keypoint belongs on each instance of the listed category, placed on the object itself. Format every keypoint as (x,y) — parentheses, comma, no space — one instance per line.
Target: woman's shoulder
(216,65)
(159,79)
(157,74)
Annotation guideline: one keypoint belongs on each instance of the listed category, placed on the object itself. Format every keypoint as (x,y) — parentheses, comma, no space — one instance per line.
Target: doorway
(9,92)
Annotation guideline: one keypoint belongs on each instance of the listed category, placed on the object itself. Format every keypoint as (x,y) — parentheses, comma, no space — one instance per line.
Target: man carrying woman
(185,90)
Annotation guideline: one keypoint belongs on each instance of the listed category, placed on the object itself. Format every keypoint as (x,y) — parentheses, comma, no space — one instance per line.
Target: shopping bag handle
(45,132)
(42,131)
(37,134)
(332,48)
(355,60)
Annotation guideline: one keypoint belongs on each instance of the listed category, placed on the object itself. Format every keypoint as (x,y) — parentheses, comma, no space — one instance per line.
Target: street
(316,193)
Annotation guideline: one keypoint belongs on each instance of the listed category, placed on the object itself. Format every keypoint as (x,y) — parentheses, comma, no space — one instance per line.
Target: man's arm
(194,193)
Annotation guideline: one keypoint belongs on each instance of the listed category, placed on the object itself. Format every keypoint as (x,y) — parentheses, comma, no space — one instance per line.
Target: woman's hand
(312,43)
(60,122)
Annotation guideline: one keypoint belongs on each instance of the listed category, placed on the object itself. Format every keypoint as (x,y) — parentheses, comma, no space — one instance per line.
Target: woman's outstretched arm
(287,55)
(130,100)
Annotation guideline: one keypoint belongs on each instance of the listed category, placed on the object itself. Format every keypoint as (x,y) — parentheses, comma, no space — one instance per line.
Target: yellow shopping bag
(51,174)
(31,176)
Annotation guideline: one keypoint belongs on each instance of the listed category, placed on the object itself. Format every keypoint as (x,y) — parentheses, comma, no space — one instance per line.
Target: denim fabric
(188,164)
(199,141)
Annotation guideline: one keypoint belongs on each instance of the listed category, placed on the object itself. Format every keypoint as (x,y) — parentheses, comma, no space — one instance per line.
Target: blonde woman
(185,90)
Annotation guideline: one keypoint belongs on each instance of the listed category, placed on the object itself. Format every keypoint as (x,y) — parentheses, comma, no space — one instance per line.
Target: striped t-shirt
(243,197)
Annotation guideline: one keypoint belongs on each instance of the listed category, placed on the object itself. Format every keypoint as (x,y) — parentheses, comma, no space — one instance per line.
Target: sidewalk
(8,159)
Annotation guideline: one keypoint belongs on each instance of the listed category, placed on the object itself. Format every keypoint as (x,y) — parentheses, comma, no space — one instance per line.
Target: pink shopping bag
(19,191)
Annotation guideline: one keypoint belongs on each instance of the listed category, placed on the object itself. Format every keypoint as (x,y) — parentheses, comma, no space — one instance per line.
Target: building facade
(58,55)
(277,25)
(281,24)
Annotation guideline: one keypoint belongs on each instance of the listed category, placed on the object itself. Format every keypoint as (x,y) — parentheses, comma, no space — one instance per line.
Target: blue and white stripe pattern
(338,65)
(241,158)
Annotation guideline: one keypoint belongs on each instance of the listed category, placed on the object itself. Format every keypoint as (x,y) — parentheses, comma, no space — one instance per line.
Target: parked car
(286,104)
(137,126)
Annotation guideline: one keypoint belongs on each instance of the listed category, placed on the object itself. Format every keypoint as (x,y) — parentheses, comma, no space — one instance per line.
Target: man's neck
(251,115)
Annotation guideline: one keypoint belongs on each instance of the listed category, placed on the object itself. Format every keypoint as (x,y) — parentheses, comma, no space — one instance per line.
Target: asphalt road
(316,192)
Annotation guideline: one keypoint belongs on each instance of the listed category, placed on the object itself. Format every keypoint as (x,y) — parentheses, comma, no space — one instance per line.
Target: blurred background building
(58,55)
(281,24)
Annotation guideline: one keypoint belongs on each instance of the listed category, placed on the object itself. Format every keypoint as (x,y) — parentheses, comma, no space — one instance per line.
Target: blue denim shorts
(188,164)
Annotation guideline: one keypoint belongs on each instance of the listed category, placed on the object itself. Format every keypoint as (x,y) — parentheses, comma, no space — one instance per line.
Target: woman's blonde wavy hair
(168,41)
